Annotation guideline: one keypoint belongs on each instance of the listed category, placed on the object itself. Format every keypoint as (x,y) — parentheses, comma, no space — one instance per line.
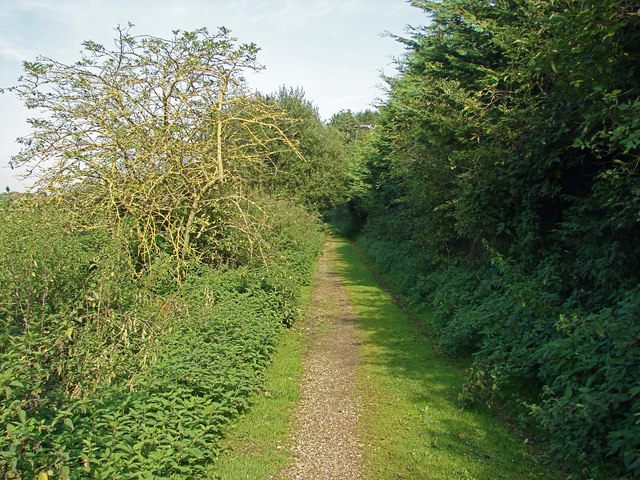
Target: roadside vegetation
(148,276)
(503,199)
(257,445)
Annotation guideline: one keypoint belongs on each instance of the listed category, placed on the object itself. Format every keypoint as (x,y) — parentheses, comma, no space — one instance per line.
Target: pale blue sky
(334,49)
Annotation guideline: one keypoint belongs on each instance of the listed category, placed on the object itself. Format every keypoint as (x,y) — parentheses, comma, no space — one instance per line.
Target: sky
(336,50)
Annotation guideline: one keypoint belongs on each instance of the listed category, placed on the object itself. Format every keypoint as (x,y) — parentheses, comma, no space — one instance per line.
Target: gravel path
(325,440)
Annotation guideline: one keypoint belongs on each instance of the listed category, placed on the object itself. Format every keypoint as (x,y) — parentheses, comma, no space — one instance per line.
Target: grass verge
(256,445)
(411,424)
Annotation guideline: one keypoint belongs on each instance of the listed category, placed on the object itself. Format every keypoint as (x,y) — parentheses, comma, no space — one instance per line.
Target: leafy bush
(504,196)
(296,239)
(111,380)
(570,372)
(72,324)
(591,368)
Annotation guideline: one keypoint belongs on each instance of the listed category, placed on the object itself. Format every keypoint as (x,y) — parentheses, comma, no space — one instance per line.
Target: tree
(507,170)
(348,122)
(161,133)
(320,181)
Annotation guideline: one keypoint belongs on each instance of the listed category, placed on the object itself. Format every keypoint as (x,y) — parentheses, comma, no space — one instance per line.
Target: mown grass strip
(412,426)
(257,444)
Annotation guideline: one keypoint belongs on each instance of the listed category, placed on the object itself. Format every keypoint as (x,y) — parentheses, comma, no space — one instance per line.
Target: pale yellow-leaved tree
(161,134)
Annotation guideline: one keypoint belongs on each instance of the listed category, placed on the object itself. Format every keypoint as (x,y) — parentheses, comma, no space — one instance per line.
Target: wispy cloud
(65,11)
(14,52)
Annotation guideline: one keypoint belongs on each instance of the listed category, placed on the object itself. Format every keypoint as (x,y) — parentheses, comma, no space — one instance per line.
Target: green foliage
(347,122)
(69,294)
(102,378)
(359,136)
(72,324)
(297,239)
(504,196)
(319,180)
(255,445)
(8,197)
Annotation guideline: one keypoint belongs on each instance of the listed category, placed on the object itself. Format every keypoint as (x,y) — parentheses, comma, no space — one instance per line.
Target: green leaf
(69,423)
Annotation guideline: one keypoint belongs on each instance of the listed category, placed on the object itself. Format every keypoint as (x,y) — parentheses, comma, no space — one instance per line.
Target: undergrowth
(257,445)
(108,373)
(565,372)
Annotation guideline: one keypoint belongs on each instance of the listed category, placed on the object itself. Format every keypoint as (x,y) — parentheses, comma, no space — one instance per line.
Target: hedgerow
(567,372)
(503,196)
(100,377)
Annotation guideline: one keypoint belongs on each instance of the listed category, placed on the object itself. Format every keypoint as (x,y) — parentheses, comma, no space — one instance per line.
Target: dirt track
(325,440)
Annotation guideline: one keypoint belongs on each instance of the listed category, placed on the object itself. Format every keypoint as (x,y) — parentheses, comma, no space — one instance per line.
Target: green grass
(257,445)
(412,426)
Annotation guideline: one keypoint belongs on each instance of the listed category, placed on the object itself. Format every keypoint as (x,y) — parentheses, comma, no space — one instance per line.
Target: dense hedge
(504,195)
(140,388)
(570,372)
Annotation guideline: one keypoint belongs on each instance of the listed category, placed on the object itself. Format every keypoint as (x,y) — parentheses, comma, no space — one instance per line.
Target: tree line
(503,191)
(146,277)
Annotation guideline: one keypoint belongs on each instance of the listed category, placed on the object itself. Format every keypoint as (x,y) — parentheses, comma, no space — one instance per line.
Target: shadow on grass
(412,423)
